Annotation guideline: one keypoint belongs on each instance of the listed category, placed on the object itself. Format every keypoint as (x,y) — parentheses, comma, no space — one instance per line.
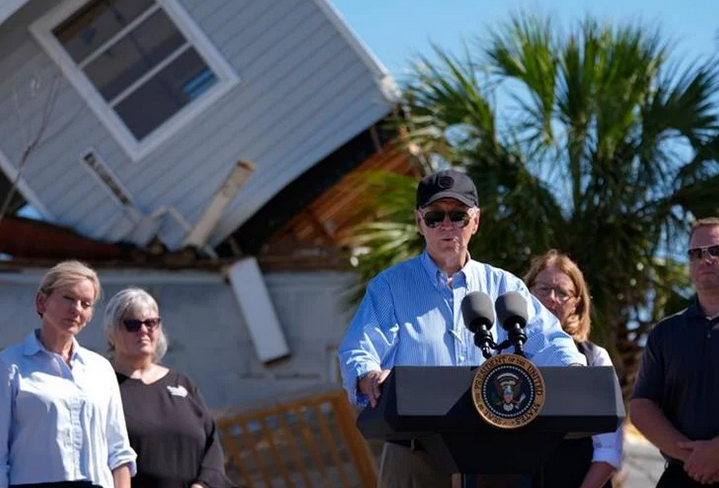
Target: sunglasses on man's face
(434,218)
(698,253)
(133,325)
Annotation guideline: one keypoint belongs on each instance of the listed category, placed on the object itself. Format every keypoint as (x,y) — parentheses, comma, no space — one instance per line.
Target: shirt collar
(32,346)
(436,275)
(695,310)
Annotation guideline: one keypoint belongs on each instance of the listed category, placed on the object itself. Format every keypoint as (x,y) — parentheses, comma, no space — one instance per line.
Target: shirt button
(461,358)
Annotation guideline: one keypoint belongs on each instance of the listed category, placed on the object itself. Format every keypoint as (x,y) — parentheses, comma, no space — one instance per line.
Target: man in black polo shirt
(675,402)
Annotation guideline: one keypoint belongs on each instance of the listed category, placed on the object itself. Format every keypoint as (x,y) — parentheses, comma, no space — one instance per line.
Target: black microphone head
(511,309)
(477,310)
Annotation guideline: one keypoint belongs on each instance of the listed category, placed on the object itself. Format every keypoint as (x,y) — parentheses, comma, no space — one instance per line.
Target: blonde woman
(61,417)
(559,284)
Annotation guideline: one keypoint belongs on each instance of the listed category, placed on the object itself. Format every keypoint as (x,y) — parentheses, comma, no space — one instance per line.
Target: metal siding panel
(272,127)
(227,25)
(95,209)
(72,130)
(98,220)
(213,125)
(271,28)
(53,171)
(15,92)
(201,9)
(230,127)
(332,112)
(61,160)
(249,201)
(295,69)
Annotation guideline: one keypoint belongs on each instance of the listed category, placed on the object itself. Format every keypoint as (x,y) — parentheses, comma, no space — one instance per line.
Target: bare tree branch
(31,138)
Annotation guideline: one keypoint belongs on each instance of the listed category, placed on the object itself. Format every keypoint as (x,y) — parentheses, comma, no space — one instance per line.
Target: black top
(680,372)
(172,433)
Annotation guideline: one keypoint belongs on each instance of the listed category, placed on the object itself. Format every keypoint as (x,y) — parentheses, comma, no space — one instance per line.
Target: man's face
(446,242)
(705,270)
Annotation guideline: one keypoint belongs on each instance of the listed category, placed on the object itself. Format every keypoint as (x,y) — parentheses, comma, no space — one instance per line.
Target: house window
(139,61)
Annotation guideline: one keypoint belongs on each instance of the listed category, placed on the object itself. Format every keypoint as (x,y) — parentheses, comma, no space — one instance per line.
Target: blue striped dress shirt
(410,316)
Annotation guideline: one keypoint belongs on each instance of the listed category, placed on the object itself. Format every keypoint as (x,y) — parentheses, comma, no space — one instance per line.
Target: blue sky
(396,30)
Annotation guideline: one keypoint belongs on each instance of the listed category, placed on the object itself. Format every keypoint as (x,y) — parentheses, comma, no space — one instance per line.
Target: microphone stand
(483,340)
(517,337)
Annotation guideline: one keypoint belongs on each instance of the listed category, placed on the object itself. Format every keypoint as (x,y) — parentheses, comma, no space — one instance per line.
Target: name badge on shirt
(180,391)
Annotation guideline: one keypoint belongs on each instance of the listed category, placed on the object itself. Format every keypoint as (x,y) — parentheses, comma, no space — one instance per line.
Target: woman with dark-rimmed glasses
(168,422)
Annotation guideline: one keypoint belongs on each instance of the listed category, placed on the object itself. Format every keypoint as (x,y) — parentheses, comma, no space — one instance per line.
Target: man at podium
(410,315)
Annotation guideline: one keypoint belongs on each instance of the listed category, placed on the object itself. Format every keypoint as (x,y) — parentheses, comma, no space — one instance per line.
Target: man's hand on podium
(369,385)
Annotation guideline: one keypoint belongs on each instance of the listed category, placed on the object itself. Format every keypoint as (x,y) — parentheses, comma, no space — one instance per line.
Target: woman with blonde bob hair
(169,424)
(61,418)
(559,284)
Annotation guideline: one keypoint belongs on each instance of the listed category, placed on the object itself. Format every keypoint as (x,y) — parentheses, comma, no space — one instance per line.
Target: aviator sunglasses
(697,253)
(434,218)
(133,325)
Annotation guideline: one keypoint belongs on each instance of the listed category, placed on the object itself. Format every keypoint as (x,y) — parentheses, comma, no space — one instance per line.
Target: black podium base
(497,481)
(58,484)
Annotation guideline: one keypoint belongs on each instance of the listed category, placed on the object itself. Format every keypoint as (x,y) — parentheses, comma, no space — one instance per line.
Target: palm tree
(594,142)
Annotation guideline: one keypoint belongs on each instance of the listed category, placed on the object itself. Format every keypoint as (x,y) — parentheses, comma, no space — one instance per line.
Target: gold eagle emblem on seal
(508,391)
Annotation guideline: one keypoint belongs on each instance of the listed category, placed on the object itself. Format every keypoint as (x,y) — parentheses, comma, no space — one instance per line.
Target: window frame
(137,150)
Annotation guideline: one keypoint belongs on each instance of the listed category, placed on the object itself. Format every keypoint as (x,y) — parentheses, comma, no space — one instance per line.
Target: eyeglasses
(698,253)
(434,218)
(546,291)
(133,325)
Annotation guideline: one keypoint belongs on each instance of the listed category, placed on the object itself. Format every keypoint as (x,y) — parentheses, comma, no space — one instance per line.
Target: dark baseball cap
(447,184)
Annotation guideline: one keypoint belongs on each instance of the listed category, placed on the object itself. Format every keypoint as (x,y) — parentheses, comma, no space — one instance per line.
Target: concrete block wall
(208,338)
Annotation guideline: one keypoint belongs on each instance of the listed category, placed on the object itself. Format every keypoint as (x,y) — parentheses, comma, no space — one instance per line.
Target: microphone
(478,313)
(512,314)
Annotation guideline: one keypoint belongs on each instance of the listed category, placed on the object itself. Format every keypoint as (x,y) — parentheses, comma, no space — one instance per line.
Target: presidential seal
(508,391)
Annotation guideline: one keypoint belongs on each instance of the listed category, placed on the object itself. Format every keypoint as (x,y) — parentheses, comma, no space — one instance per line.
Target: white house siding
(208,337)
(304,90)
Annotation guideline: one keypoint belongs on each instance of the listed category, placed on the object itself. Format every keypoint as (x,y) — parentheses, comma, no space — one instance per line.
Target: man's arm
(651,421)
(645,407)
(367,343)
